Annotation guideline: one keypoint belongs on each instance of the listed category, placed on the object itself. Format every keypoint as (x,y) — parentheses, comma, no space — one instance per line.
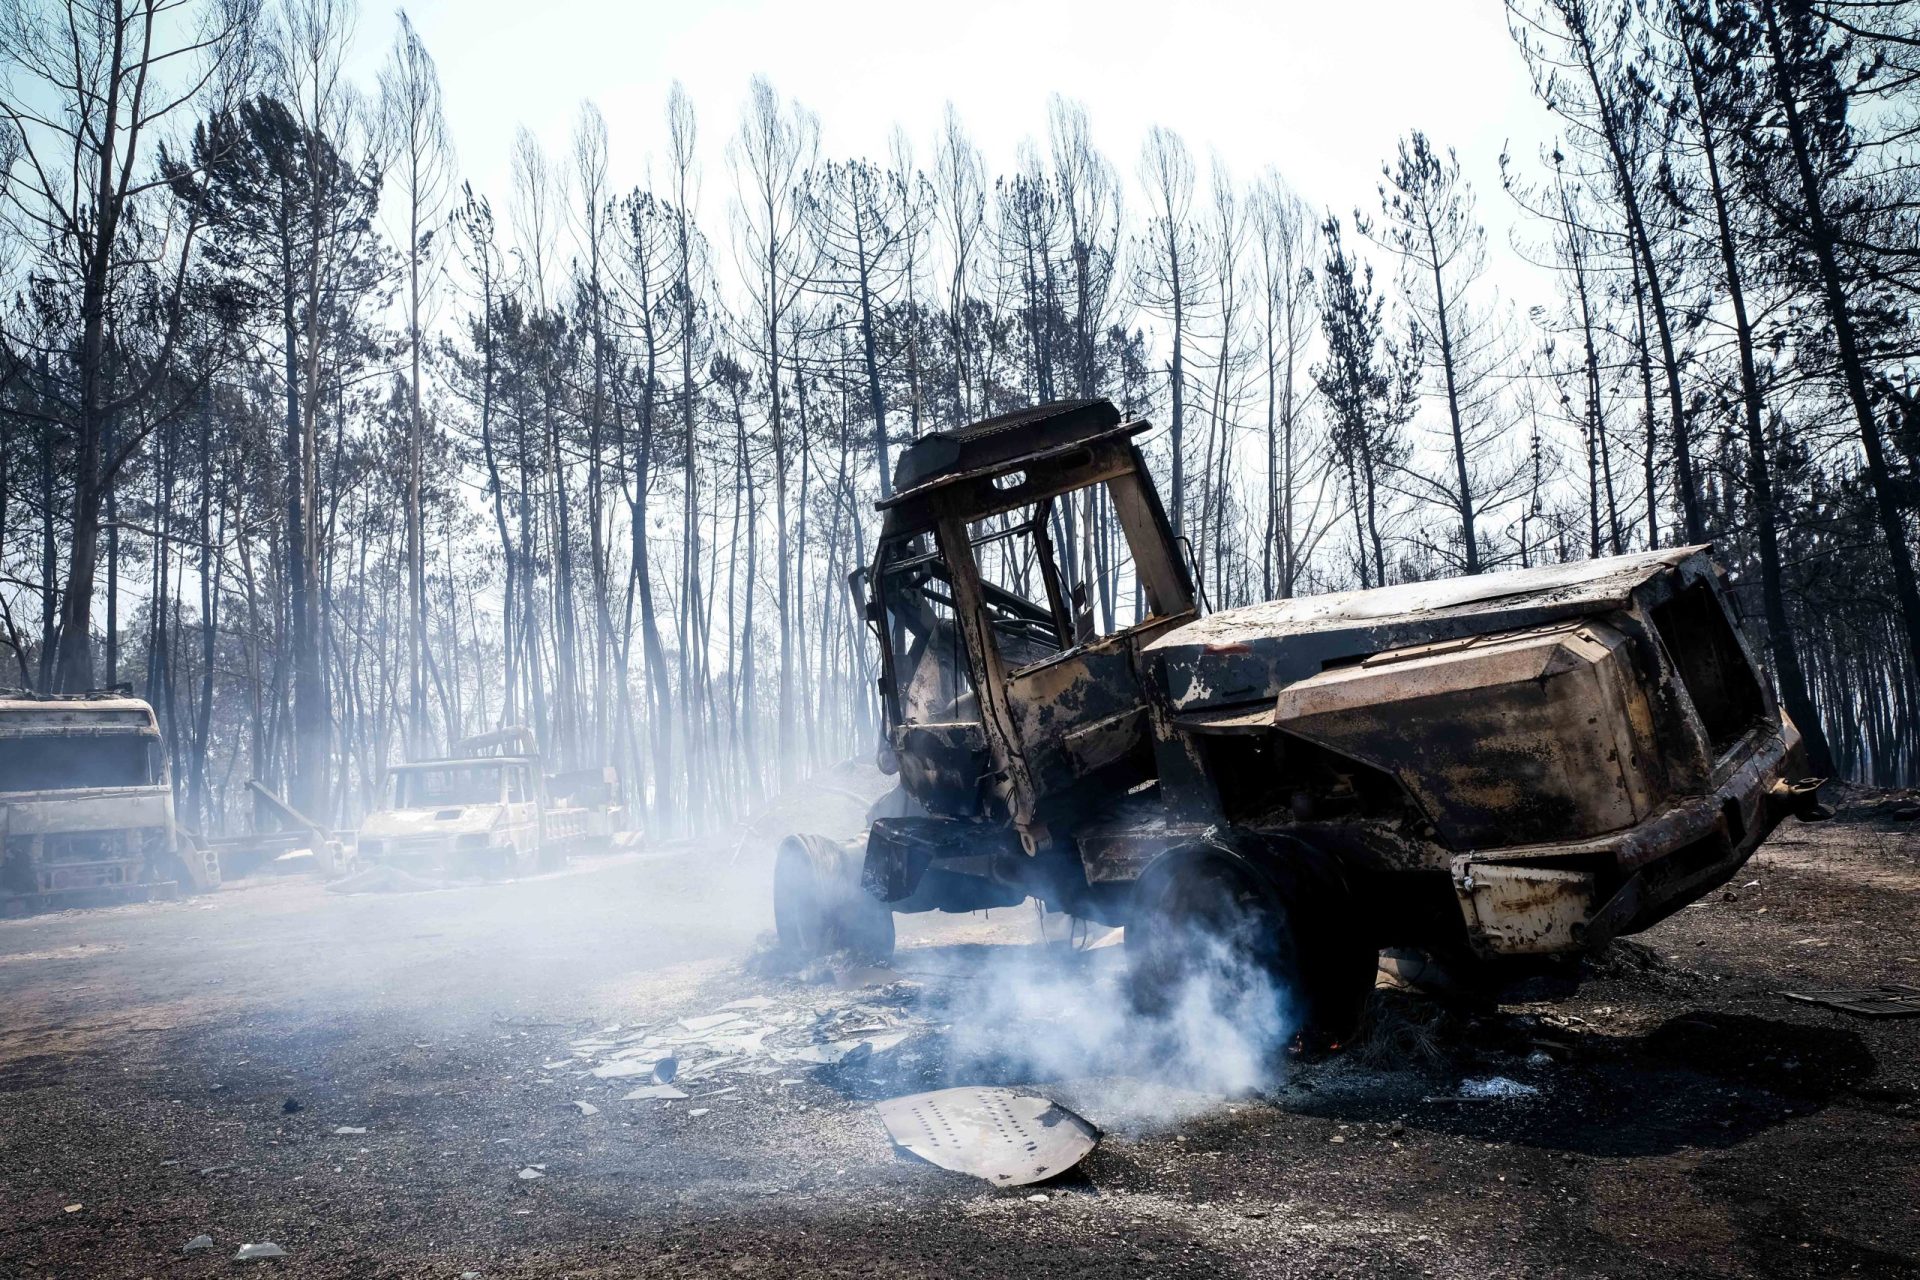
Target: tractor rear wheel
(1253,942)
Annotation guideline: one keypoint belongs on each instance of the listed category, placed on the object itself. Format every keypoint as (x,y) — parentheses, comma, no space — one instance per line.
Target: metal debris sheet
(1889,1000)
(1006,1138)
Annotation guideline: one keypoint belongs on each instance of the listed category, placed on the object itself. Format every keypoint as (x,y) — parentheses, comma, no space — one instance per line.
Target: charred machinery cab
(86,806)
(1015,694)
(1514,764)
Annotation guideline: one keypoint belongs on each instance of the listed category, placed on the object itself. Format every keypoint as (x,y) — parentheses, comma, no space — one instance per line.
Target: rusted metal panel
(1520,910)
(1055,701)
(1746,786)
(1582,586)
(1119,854)
(1009,442)
(1105,743)
(1501,739)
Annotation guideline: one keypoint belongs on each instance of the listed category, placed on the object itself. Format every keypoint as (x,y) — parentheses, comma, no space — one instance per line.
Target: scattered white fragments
(341,1129)
(531,1172)
(1496,1087)
(256,1252)
(623,1068)
(1006,1138)
(197,1244)
(836,1052)
(742,1044)
(705,1067)
(586,1108)
(700,1111)
(751,1036)
(709,1021)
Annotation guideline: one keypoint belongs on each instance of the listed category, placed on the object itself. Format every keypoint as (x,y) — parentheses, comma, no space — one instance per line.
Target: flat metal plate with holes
(1006,1138)
(1890,1000)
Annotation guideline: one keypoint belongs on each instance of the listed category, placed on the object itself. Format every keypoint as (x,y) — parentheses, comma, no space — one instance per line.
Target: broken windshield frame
(928,681)
(440,786)
(1005,557)
(73,762)
(1120,584)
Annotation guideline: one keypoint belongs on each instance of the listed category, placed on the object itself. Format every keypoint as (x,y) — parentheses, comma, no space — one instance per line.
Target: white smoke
(1048,1013)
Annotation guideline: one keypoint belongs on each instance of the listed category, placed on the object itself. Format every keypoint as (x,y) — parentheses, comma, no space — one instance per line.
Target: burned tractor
(1491,769)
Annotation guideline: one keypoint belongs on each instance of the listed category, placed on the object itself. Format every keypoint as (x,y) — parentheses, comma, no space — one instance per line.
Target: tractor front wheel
(819,906)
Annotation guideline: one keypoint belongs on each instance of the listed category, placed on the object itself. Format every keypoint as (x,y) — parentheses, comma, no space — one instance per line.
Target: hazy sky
(1320,90)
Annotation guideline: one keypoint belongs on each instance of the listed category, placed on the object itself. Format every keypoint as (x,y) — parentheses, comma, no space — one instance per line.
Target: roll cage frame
(929,529)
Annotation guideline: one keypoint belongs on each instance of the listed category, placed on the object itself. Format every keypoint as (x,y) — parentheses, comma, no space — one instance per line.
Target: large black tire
(1207,930)
(819,907)
(1244,933)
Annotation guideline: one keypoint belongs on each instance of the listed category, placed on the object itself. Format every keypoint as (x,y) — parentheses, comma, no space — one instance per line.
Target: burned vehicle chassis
(1499,768)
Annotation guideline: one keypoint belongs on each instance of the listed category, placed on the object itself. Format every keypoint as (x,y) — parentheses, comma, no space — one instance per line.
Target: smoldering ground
(1058,1014)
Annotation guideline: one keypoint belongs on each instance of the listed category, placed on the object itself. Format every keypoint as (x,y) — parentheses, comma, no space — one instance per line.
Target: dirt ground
(179,1069)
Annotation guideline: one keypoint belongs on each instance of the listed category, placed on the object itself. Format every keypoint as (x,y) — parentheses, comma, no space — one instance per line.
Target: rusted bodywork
(86,806)
(1516,763)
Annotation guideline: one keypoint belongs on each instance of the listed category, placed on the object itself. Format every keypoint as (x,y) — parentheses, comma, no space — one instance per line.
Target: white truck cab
(86,806)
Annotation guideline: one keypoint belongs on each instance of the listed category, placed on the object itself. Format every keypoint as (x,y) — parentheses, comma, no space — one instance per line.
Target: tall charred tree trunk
(1786,659)
(1833,289)
(1640,245)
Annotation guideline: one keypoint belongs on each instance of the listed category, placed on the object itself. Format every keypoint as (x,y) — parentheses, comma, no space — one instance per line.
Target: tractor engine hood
(1239,657)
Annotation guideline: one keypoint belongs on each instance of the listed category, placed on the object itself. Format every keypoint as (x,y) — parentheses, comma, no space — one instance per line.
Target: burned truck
(86,806)
(1490,769)
(486,811)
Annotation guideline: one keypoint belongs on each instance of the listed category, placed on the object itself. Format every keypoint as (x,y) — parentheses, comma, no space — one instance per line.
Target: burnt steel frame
(948,505)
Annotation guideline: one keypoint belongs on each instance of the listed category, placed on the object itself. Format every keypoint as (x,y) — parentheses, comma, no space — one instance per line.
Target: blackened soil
(1686,1119)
